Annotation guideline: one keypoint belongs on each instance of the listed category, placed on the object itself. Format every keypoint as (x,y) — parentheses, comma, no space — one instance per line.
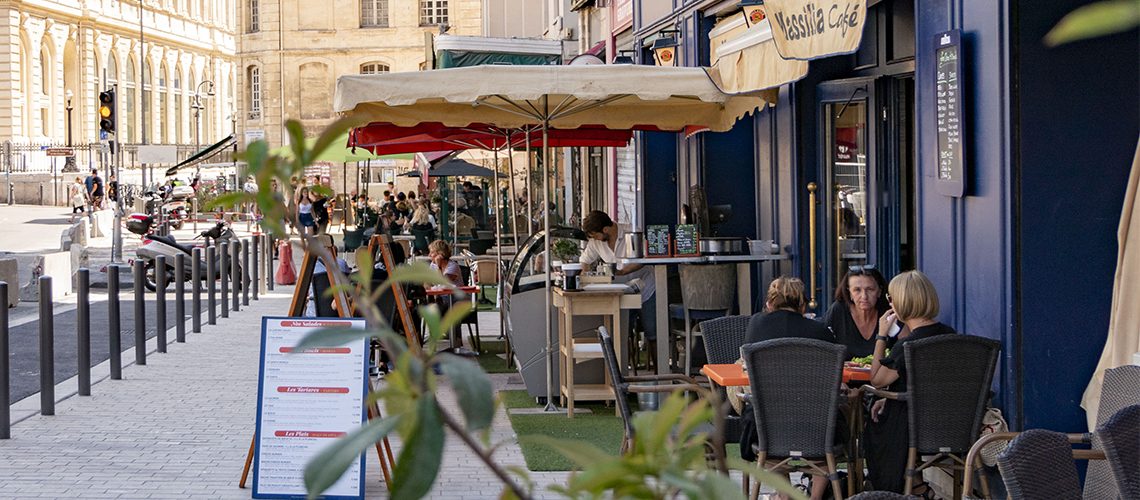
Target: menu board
(305,401)
(685,241)
(657,240)
(951,178)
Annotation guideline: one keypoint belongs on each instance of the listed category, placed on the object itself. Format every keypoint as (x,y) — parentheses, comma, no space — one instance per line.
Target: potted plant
(565,250)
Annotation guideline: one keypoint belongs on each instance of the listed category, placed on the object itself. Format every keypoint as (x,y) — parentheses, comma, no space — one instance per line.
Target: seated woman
(914,302)
(440,254)
(784,315)
(859,303)
(784,318)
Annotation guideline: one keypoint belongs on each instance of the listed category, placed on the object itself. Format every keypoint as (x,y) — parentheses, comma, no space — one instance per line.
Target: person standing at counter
(603,243)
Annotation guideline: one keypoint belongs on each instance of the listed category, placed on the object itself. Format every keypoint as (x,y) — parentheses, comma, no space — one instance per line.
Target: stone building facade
(180,65)
(292,51)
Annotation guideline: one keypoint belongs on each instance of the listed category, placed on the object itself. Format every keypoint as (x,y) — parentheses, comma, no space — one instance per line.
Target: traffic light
(107,111)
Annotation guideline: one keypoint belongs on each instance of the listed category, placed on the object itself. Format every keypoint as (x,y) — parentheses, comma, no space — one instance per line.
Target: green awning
(203,155)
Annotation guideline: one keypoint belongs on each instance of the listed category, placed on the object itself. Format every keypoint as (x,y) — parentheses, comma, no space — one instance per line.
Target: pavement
(180,426)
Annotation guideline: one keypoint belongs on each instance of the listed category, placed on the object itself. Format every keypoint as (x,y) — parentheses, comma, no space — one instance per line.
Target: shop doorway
(867,171)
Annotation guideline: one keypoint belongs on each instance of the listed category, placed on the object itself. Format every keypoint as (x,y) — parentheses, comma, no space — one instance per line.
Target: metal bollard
(224,270)
(5,369)
(235,274)
(114,330)
(269,248)
(196,288)
(256,256)
(83,331)
(180,298)
(244,276)
(160,301)
(211,278)
(140,314)
(47,348)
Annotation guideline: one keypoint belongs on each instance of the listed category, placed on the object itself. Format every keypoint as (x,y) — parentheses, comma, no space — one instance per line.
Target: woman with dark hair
(859,303)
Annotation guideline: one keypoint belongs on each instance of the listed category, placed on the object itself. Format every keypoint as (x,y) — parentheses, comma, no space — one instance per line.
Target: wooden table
(661,277)
(437,294)
(733,375)
(605,303)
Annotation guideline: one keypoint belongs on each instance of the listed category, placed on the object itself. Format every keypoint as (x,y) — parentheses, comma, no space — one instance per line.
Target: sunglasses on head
(863,269)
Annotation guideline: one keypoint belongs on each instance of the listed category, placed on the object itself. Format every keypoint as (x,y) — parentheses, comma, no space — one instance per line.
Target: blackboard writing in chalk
(685,240)
(657,241)
(951,165)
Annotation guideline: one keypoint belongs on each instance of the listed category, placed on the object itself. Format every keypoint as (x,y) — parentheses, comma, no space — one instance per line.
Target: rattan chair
(948,385)
(1039,464)
(723,338)
(1120,436)
(623,386)
(1121,389)
(795,398)
(707,292)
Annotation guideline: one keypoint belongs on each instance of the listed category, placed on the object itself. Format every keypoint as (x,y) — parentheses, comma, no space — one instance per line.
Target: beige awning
(614,96)
(746,59)
(1124,321)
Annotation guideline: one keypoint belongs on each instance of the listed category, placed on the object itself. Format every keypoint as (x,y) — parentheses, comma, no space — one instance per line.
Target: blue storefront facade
(1025,256)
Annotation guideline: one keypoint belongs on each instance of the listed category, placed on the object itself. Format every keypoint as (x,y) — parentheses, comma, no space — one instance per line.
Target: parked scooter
(154,245)
(172,209)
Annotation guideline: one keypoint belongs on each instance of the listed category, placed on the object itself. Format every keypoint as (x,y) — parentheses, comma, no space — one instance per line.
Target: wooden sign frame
(696,242)
(668,241)
(305,281)
(382,243)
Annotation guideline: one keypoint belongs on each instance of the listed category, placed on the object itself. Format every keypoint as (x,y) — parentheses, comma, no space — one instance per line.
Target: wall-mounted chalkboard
(951,164)
(685,241)
(657,241)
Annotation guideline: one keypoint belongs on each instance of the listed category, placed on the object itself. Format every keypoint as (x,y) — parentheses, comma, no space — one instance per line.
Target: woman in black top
(859,303)
(914,302)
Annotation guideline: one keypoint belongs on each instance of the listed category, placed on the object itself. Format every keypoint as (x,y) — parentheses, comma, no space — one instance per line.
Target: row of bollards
(229,264)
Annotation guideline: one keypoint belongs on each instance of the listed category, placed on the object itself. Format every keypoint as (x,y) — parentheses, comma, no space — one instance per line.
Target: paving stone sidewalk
(180,428)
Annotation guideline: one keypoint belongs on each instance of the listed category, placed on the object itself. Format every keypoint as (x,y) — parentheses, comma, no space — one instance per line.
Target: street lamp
(753,12)
(69,163)
(198,106)
(665,47)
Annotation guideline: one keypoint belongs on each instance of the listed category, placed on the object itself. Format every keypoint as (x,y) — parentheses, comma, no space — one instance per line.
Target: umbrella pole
(343,191)
(529,188)
(498,238)
(551,352)
(514,201)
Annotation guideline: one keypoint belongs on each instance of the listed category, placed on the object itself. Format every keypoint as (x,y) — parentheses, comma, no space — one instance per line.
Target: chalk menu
(685,240)
(948,102)
(305,401)
(657,239)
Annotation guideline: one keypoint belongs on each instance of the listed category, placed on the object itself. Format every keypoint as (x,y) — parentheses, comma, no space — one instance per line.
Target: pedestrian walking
(94,186)
(77,193)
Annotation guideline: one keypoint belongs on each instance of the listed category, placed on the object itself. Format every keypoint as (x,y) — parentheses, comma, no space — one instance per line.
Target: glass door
(847,217)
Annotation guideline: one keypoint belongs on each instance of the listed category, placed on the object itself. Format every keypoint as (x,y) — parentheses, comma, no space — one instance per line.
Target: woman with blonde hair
(912,316)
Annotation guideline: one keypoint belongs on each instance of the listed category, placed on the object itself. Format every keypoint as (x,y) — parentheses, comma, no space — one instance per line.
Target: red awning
(385,138)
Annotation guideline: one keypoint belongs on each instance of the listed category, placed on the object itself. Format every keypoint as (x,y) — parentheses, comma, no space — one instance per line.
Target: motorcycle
(172,208)
(154,245)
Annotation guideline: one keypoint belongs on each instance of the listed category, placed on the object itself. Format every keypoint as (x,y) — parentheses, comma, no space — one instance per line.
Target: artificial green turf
(490,360)
(602,428)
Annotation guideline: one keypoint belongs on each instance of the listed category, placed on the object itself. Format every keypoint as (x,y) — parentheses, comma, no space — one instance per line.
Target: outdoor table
(733,375)
(660,275)
(606,303)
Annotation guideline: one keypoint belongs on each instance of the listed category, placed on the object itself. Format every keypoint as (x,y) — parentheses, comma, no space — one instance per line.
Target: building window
(253,75)
(433,12)
(373,13)
(254,21)
(373,68)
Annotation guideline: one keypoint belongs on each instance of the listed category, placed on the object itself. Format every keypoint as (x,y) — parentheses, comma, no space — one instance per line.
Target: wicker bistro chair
(1121,389)
(1120,436)
(881,495)
(1039,464)
(948,385)
(723,338)
(795,398)
(623,386)
(707,292)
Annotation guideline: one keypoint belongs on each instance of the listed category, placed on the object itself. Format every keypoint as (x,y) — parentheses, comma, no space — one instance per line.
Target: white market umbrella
(560,97)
